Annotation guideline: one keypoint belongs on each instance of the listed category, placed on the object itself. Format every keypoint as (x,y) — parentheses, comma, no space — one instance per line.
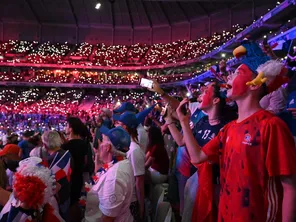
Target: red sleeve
(212,148)
(280,148)
(153,151)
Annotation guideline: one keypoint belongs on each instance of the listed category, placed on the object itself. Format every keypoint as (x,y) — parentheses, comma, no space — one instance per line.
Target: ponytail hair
(133,133)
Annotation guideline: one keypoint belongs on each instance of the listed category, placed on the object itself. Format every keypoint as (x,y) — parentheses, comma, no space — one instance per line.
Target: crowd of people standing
(227,154)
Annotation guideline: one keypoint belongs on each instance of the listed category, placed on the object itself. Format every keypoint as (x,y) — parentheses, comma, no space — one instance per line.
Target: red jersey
(252,153)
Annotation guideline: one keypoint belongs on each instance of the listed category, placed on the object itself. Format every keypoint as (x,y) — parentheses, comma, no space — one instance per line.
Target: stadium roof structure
(123,21)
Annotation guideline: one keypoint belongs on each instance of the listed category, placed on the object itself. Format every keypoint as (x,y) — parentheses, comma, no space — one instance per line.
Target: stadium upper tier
(84,54)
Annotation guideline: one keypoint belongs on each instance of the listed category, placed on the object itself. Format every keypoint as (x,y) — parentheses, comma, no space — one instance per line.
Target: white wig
(270,69)
(51,139)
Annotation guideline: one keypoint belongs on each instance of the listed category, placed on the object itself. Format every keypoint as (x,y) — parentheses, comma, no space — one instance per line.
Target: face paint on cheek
(239,86)
(208,97)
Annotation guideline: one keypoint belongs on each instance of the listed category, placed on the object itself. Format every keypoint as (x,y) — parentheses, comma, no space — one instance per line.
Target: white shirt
(136,156)
(112,195)
(142,137)
(193,107)
(37,151)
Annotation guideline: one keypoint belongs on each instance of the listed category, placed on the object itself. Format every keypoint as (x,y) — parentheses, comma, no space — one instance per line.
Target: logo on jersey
(212,136)
(247,139)
(199,132)
(292,102)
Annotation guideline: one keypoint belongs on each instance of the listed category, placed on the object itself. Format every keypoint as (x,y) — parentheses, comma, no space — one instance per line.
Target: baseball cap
(128,118)
(126,106)
(10,149)
(28,133)
(118,137)
(292,100)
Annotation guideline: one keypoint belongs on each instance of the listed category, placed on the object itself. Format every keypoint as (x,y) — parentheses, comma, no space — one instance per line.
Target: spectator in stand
(183,168)
(157,160)
(136,156)
(25,146)
(39,150)
(32,196)
(12,139)
(109,199)
(213,103)
(249,148)
(142,133)
(104,119)
(58,158)
(78,150)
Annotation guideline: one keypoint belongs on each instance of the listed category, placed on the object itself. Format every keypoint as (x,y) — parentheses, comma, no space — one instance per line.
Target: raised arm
(174,103)
(175,132)
(194,150)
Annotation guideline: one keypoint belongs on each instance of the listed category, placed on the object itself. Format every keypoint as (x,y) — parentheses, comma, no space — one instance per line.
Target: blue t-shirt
(26,148)
(183,163)
(203,133)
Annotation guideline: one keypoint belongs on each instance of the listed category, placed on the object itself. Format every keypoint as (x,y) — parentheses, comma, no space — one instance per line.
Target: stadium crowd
(221,151)
(103,55)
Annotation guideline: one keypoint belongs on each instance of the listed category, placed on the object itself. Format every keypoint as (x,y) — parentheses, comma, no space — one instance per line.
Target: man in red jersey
(257,151)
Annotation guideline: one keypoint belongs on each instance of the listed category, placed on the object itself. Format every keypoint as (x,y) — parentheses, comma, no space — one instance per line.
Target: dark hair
(217,94)
(155,137)
(226,112)
(148,121)
(133,133)
(35,140)
(263,91)
(12,139)
(77,126)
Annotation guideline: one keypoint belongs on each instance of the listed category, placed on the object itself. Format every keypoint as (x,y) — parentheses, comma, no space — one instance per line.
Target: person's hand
(156,88)
(163,128)
(183,118)
(169,118)
(57,188)
(293,111)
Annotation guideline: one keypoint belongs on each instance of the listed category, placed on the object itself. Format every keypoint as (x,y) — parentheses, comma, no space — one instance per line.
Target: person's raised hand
(156,88)
(185,118)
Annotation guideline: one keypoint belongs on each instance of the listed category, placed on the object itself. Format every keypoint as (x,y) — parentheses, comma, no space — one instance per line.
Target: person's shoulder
(135,150)
(120,169)
(275,121)
(22,143)
(134,145)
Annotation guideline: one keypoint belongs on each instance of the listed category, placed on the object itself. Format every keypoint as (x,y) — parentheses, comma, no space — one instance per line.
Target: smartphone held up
(147,83)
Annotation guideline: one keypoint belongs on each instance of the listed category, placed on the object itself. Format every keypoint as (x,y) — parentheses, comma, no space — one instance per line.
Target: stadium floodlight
(98,5)
(223,55)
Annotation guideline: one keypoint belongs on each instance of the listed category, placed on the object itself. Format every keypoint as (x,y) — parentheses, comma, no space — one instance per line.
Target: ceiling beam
(203,8)
(183,11)
(73,12)
(33,11)
(165,14)
(147,14)
(129,13)
(112,13)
